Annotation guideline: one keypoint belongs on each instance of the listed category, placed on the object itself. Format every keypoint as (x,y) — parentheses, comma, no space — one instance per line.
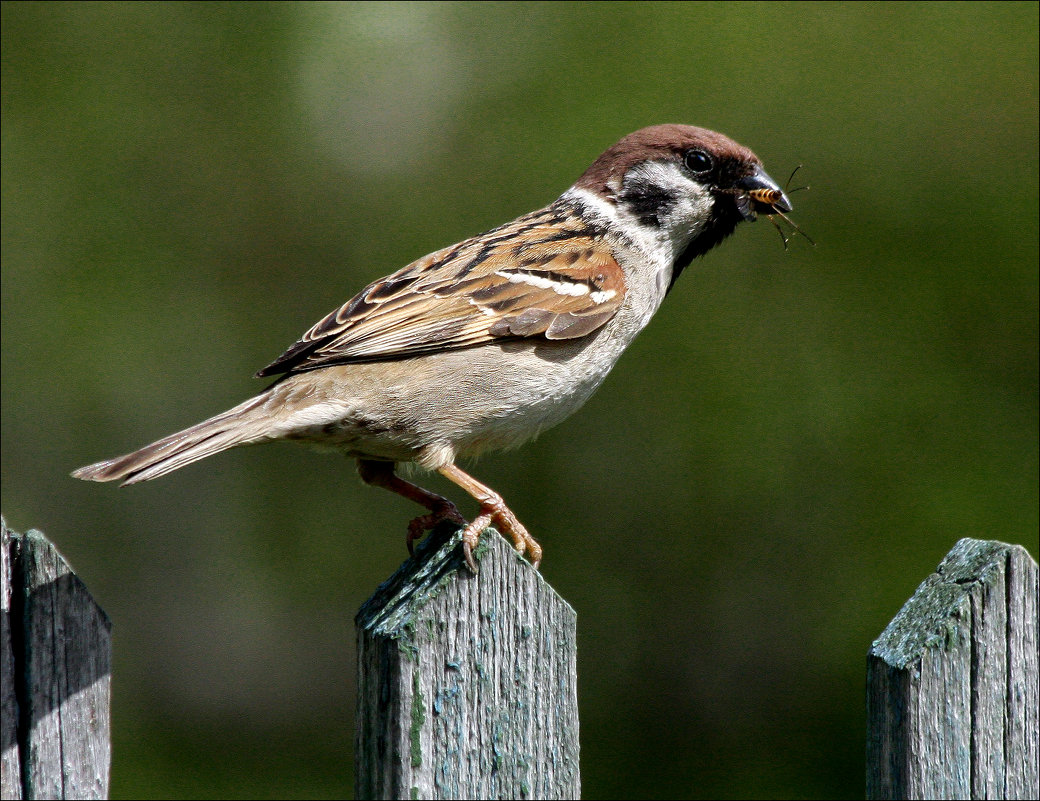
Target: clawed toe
(534,552)
(423,523)
(471,537)
(492,510)
(523,542)
(490,514)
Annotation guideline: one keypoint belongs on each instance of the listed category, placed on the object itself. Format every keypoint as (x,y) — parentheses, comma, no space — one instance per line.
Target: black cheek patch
(648,202)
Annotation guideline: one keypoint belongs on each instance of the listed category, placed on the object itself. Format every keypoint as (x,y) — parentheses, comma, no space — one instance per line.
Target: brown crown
(658,142)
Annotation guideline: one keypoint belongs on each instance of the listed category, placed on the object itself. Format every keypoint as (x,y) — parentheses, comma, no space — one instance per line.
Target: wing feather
(547,274)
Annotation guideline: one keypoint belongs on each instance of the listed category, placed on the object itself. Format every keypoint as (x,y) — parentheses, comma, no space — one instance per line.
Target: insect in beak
(775,195)
(768,197)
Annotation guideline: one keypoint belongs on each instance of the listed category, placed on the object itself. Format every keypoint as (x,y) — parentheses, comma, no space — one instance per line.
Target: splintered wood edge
(924,620)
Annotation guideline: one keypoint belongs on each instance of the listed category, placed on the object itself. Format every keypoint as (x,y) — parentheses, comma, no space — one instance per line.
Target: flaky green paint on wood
(953,701)
(418,719)
(467,683)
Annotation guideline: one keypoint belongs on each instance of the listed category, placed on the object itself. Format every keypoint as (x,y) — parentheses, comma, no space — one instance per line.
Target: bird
(481,345)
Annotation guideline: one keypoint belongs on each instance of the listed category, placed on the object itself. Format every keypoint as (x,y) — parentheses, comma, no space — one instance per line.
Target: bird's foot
(499,513)
(423,523)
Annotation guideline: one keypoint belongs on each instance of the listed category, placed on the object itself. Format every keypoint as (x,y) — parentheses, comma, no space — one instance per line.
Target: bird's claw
(507,521)
(423,523)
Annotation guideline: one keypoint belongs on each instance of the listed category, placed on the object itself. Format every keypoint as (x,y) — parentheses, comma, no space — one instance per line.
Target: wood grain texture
(61,664)
(952,682)
(10,761)
(467,684)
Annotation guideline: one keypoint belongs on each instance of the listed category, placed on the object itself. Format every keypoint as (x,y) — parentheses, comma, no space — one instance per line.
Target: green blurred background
(787,451)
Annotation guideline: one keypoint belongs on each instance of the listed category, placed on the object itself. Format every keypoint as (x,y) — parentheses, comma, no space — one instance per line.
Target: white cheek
(687,215)
(663,243)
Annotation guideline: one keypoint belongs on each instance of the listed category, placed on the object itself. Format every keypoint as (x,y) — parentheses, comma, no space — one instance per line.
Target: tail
(237,426)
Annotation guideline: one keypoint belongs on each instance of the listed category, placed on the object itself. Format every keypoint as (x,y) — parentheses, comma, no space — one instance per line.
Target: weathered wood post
(56,655)
(952,683)
(466,684)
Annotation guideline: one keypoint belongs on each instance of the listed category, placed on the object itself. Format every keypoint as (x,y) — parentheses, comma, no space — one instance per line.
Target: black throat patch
(722,223)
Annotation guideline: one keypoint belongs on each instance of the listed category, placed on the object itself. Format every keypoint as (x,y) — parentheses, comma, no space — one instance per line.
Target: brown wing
(546,274)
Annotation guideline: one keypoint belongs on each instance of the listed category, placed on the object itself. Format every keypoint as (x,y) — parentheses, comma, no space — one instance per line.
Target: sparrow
(481,345)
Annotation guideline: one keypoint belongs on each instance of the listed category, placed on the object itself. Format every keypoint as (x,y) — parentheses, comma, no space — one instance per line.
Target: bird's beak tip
(766,195)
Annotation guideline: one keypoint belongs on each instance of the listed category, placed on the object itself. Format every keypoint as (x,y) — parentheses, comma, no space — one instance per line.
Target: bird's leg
(492,509)
(381,474)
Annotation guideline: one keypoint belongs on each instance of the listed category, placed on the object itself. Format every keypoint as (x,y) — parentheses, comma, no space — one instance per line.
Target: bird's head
(687,184)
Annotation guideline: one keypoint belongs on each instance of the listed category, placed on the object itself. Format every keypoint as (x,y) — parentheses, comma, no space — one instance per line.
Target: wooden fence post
(952,682)
(466,684)
(56,653)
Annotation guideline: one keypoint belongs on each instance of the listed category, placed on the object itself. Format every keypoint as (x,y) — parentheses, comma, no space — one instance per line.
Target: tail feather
(236,426)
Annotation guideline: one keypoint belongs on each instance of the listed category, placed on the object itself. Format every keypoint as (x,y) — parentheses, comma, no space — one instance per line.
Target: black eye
(697,161)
